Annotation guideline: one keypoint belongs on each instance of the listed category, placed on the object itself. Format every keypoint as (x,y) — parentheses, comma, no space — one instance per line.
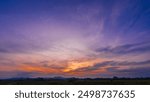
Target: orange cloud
(39,69)
(77,64)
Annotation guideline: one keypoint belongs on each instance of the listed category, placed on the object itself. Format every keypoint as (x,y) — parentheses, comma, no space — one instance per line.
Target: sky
(74,38)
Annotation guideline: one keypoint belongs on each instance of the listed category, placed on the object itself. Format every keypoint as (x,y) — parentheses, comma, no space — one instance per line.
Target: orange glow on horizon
(38,69)
(73,65)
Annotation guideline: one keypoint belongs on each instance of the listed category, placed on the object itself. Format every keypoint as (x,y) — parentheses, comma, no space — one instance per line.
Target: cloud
(47,64)
(51,34)
(14,74)
(127,49)
(130,72)
(113,65)
(113,68)
(23,74)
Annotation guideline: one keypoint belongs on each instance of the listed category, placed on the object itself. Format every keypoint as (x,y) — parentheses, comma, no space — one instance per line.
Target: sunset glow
(74,38)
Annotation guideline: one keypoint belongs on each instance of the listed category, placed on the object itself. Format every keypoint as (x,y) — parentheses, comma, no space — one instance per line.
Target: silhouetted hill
(75,81)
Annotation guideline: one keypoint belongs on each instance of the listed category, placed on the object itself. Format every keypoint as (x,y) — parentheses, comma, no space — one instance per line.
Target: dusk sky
(74,38)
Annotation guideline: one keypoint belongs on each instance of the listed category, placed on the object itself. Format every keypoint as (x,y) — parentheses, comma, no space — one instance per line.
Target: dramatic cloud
(127,49)
(80,38)
(114,64)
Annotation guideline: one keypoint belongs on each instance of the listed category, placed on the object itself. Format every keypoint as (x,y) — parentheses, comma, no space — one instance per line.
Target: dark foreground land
(76,81)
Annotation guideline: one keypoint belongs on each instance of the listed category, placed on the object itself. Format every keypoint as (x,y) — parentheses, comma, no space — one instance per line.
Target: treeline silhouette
(75,81)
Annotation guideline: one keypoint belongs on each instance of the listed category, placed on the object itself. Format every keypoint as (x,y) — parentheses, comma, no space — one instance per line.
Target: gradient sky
(74,38)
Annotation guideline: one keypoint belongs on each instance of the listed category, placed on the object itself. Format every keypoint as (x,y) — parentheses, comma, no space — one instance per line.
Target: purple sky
(74,38)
